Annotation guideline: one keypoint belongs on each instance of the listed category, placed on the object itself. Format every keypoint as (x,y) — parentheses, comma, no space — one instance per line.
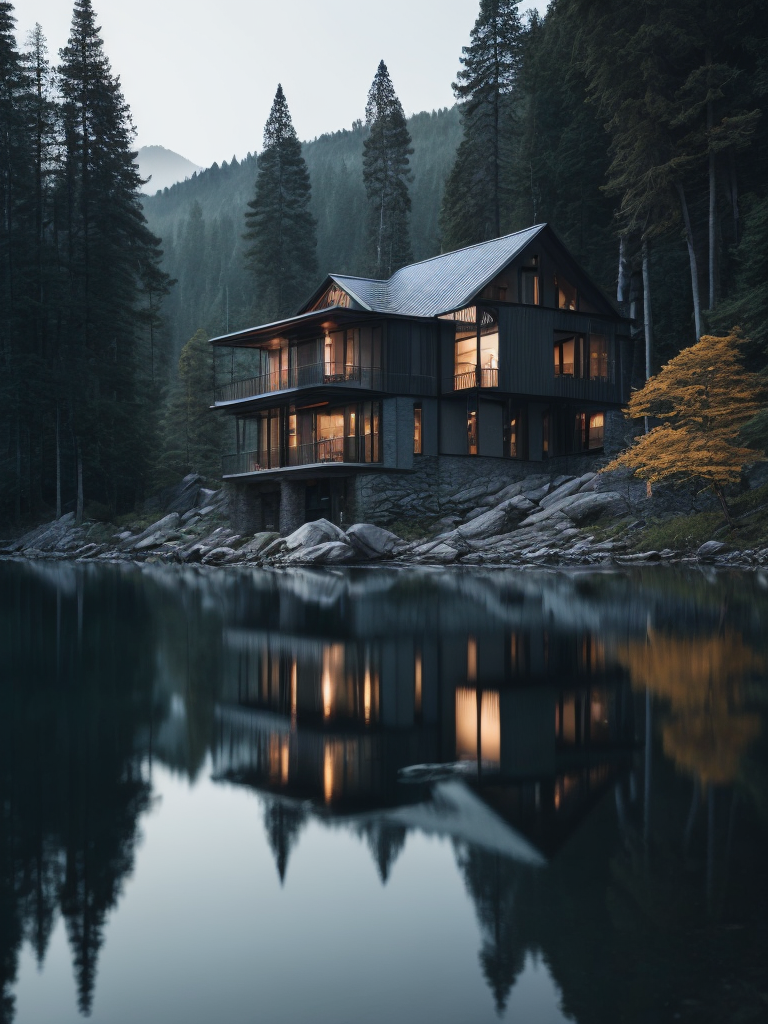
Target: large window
(417,441)
(515,441)
(567,297)
(476,348)
(472,426)
(585,356)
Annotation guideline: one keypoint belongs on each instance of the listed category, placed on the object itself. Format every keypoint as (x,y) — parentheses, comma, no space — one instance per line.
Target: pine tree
(193,438)
(477,193)
(107,249)
(386,174)
(703,397)
(280,225)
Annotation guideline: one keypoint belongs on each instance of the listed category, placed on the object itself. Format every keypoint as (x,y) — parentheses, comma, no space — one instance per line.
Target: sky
(200,76)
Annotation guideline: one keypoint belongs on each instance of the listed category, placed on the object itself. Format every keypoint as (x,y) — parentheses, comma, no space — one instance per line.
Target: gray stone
(221,556)
(168,524)
(373,542)
(587,508)
(328,553)
(565,490)
(259,543)
(711,548)
(442,554)
(537,493)
(311,534)
(497,520)
(475,513)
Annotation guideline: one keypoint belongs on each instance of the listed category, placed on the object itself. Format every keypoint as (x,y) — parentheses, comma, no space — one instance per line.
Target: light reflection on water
(212,809)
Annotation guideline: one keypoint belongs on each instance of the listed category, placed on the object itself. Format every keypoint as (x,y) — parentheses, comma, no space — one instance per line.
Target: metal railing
(476,378)
(328,449)
(311,375)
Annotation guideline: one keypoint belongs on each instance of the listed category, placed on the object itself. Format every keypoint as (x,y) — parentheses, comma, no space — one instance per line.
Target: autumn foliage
(703,397)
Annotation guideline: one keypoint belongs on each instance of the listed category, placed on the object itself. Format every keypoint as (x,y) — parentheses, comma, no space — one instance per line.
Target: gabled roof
(437,285)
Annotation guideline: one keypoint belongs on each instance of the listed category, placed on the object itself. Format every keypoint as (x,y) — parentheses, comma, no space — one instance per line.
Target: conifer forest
(638,132)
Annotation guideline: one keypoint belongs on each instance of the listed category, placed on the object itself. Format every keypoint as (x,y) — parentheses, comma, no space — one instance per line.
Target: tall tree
(477,192)
(386,173)
(279,223)
(107,249)
(193,438)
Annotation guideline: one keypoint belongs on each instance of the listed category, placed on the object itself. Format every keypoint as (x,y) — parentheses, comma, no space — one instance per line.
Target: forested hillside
(638,132)
(201,221)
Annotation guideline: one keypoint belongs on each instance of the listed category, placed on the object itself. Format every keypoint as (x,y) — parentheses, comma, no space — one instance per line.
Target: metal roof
(440,284)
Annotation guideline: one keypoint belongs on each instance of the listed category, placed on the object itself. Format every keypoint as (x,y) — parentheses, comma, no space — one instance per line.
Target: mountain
(165,167)
(201,221)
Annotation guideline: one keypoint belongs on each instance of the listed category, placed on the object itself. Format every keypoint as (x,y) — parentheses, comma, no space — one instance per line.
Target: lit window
(598,357)
(472,428)
(596,430)
(417,430)
(566,294)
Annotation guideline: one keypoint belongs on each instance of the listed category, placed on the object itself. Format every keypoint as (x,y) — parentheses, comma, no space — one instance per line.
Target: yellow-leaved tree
(703,397)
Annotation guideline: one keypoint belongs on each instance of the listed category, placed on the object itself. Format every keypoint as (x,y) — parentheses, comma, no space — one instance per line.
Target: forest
(638,133)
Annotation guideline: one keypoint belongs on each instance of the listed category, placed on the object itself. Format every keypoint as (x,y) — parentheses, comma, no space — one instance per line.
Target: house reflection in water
(331,724)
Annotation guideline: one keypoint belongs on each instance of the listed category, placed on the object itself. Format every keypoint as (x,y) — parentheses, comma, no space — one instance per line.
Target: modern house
(489,361)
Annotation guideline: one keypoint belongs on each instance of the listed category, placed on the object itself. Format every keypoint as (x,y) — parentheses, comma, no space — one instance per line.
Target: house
(377,396)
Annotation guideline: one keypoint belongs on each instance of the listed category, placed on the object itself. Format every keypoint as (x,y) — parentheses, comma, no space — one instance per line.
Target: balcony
(327,450)
(311,375)
(473,377)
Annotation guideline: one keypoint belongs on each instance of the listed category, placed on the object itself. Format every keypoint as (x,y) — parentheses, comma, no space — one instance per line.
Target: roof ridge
(357,277)
(463,248)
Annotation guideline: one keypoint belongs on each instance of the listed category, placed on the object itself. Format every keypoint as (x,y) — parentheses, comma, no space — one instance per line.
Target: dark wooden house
(493,359)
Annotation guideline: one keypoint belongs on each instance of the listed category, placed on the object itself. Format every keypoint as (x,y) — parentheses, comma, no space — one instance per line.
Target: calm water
(210,810)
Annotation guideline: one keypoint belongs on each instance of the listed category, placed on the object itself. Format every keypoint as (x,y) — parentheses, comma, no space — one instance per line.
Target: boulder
(586,508)
(442,553)
(711,548)
(497,520)
(258,543)
(373,542)
(167,525)
(312,534)
(328,553)
(221,556)
(565,490)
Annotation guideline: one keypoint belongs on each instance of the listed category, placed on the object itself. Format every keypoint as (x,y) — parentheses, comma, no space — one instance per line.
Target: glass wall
(584,356)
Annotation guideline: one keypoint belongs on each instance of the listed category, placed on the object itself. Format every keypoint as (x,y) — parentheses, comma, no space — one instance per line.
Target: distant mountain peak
(165,167)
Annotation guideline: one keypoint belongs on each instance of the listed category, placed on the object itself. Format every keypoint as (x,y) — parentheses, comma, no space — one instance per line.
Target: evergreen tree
(477,193)
(107,250)
(193,437)
(386,174)
(280,225)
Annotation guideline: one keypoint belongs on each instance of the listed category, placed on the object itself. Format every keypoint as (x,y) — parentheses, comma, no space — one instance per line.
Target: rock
(475,513)
(497,520)
(206,497)
(373,542)
(312,534)
(167,525)
(711,548)
(154,540)
(587,508)
(220,556)
(258,544)
(443,554)
(328,553)
(563,491)
(277,546)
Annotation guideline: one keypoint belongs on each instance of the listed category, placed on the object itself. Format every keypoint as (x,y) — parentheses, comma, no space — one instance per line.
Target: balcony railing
(312,375)
(476,378)
(329,449)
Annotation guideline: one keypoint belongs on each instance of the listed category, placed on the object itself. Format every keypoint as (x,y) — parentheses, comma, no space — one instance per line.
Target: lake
(382,795)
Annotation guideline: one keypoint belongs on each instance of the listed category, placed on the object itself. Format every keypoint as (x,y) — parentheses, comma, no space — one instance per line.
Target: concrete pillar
(292,505)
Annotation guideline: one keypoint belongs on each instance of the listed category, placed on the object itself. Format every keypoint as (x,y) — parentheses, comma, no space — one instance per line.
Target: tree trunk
(647,316)
(724,505)
(712,215)
(622,287)
(79,512)
(691,259)
(58,463)
(734,195)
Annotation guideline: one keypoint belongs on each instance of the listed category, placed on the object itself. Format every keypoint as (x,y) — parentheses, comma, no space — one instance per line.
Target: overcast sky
(200,76)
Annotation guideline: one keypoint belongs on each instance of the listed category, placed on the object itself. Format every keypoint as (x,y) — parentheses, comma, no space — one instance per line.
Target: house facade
(379,398)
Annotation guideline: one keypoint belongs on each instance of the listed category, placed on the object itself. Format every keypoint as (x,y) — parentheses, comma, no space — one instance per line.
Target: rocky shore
(561,521)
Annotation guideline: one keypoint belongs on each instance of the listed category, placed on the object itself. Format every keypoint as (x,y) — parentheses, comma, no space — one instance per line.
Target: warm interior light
(294,691)
(367,696)
(466,725)
(328,773)
(417,683)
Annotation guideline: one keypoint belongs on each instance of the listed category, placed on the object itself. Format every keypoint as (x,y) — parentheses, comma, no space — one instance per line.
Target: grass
(687,533)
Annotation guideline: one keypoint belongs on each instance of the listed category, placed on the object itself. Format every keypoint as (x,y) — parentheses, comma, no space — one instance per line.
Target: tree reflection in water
(522,697)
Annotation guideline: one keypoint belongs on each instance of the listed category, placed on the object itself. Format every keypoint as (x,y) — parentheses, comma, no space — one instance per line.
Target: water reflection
(591,746)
